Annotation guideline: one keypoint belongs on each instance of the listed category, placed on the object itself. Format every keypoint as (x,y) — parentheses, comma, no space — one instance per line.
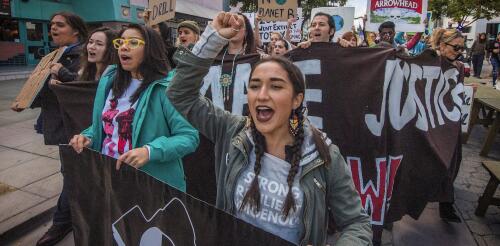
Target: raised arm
(192,67)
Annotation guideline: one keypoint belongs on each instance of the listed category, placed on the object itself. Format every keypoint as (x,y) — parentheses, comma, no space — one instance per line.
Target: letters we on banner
(277,10)
(161,10)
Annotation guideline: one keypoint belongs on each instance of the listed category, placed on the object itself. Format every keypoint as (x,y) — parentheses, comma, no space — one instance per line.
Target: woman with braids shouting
(274,169)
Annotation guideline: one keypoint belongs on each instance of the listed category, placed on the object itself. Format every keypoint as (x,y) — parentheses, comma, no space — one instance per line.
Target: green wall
(89,10)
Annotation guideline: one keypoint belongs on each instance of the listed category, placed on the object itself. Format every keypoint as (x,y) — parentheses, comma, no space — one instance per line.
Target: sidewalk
(15,72)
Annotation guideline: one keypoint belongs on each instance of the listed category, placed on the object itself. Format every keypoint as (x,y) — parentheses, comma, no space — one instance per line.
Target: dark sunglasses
(456,47)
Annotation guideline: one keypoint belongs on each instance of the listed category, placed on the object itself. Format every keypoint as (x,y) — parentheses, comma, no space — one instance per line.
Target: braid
(252,197)
(297,154)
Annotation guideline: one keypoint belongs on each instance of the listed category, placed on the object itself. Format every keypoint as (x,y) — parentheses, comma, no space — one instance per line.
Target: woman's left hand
(54,68)
(136,158)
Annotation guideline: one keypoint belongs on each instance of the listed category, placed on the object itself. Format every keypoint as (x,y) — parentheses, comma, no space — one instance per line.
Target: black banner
(395,119)
(129,207)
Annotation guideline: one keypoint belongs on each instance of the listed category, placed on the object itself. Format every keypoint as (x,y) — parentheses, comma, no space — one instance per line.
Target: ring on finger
(235,30)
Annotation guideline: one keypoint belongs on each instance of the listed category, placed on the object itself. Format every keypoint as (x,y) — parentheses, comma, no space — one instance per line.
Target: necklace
(226,79)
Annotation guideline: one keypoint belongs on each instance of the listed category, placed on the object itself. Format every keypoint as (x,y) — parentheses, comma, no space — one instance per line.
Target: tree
(307,5)
(465,12)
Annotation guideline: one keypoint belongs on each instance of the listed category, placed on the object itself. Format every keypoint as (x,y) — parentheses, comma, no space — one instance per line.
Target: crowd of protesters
(136,122)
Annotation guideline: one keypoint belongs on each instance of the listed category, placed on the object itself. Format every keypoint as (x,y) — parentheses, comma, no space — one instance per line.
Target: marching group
(148,113)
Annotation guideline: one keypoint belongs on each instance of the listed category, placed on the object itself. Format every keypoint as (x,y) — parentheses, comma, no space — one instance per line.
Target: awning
(194,9)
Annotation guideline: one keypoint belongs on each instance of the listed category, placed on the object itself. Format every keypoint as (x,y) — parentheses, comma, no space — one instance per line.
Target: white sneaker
(497,86)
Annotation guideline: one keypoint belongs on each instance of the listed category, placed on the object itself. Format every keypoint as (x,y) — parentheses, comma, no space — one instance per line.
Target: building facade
(24,24)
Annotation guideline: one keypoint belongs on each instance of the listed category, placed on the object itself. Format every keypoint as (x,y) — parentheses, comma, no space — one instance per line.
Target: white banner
(342,16)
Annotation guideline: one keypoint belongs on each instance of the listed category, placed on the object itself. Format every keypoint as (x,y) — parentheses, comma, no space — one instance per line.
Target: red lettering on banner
(415,5)
(375,198)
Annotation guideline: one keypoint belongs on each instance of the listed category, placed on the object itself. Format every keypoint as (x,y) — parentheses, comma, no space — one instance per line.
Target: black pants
(62,215)
(477,64)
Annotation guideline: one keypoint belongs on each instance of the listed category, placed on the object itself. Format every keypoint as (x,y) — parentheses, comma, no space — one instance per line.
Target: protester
(495,59)
(477,52)
(351,38)
(280,47)
(387,33)
(267,147)
(275,36)
(77,97)
(133,121)
(449,44)
(66,29)
(98,54)
(166,34)
(188,32)
(321,29)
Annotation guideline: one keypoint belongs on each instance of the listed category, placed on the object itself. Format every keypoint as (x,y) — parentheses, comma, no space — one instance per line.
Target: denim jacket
(325,187)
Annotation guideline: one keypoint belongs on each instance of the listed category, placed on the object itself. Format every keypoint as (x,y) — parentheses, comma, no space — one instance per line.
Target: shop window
(34,31)
(9,30)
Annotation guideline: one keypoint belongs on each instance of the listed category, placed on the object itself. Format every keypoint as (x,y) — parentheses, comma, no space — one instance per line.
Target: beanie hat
(191,25)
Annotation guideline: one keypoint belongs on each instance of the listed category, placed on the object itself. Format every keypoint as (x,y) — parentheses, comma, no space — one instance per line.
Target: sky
(360,9)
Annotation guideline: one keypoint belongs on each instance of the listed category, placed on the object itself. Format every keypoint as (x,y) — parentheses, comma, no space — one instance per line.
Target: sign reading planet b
(339,22)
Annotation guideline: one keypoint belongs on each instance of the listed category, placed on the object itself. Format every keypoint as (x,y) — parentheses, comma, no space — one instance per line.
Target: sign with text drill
(408,15)
(277,10)
(36,80)
(161,10)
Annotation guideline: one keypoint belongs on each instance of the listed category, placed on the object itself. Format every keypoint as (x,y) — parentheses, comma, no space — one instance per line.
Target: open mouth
(264,113)
(125,58)
(91,53)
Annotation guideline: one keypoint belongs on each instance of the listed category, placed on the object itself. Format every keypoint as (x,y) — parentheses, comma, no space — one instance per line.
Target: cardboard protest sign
(36,81)
(408,15)
(161,10)
(266,28)
(129,207)
(277,10)
(343,17)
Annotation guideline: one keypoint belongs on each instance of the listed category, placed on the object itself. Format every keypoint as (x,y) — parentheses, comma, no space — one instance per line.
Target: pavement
(30,182)
(15,72)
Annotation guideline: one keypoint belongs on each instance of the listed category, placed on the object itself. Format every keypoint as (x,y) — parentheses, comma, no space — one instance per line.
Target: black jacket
(53,130)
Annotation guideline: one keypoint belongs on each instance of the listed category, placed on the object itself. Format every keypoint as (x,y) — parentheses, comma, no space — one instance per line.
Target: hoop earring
(294,123)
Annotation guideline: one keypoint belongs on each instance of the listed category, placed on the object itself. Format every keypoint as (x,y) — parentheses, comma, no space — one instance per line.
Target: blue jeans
(494,63)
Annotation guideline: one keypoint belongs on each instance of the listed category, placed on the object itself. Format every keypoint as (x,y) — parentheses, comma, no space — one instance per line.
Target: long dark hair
(75,22)
(252,197)
(249,40)
(89,70)
(153,67)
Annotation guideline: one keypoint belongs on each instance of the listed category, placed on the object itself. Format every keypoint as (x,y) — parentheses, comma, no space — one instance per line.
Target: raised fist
(227,24)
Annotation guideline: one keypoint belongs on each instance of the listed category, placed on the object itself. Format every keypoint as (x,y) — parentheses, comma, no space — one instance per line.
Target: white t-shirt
(117,117)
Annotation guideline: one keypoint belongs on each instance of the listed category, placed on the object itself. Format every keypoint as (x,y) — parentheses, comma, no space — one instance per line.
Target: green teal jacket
(157,124)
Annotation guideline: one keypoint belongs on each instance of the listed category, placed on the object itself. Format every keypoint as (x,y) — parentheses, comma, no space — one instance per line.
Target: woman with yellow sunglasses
(133,120)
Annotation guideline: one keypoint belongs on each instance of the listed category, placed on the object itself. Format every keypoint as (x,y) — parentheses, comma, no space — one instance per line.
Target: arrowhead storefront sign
(408,15)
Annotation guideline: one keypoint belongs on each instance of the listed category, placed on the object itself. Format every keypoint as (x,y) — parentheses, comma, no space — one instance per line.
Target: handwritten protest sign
(277,10)
(36,80)
(466,107)
(408,15)
(343,17)
(266,28)
(161,10)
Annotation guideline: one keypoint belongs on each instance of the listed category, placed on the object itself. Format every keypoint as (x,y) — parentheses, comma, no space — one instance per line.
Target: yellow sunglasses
(130,42)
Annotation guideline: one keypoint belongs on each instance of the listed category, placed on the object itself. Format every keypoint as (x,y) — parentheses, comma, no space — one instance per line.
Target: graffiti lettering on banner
(161,10)
(277,10)
(398,115)
(408,15)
